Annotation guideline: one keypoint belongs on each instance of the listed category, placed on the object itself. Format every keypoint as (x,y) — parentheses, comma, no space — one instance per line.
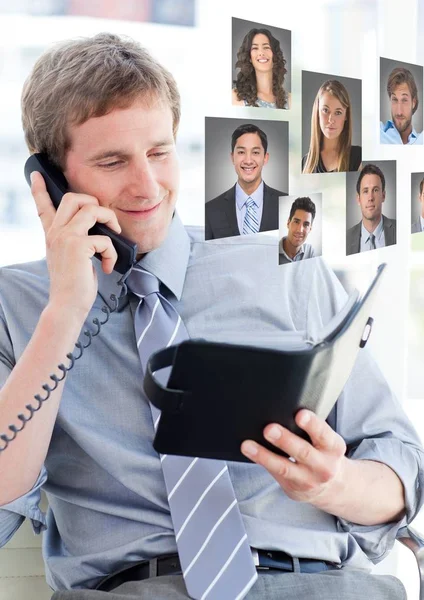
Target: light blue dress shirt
(378,232)
(422,223)
(107,500)
(390,135)
(241,198)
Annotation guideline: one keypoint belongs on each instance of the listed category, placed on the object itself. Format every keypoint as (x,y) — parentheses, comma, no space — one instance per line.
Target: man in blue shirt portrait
(293,246)
(107,113)
(404,101)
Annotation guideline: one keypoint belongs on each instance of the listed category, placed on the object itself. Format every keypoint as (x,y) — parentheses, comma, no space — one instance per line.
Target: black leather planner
(220,394)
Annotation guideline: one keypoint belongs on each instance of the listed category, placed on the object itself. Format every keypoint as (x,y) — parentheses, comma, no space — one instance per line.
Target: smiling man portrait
(293,246)
(250,205)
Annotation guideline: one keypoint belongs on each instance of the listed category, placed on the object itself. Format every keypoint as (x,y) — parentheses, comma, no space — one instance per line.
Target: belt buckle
(255,556)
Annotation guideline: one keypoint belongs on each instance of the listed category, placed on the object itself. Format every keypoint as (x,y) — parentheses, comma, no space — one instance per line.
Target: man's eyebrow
(244,147)
(124,153)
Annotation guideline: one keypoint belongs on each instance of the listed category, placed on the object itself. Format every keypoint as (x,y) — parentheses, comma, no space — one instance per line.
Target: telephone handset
(57,186)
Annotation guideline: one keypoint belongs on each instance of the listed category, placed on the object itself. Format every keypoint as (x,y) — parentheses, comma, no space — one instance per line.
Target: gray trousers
(343,584)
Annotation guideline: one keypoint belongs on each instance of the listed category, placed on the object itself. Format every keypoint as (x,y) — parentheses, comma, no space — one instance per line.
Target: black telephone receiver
(57,186)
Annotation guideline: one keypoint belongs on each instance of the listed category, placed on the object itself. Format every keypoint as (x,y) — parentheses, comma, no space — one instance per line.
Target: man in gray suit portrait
(418,225)
(250,205)
(374,230)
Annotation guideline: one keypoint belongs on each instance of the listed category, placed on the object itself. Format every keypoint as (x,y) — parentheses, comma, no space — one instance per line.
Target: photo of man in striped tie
(124,522)
(250,205)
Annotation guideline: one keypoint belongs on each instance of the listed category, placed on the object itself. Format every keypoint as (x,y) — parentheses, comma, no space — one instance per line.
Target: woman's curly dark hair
(245,84)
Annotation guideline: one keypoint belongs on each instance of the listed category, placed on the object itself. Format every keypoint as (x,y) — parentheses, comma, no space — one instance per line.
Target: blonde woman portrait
(330,147)
(262,71)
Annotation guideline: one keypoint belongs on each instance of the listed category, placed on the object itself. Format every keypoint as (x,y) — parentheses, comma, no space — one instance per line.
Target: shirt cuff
(13,514)
(406,461)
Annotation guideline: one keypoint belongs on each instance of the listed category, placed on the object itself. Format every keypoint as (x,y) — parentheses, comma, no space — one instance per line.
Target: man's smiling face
(127,160)
(249,158)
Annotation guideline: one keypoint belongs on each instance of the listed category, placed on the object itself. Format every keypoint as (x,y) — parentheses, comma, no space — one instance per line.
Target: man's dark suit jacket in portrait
(221,216)
(353,235)
(416,227)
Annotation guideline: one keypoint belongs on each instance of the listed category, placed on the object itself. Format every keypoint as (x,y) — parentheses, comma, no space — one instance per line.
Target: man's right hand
(69,248)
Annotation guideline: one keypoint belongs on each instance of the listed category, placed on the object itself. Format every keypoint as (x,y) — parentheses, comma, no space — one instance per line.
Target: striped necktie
(250,223)
(372,241)
(215,556)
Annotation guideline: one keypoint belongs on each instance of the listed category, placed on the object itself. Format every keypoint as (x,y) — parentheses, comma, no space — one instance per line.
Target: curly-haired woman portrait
(330,147)
(262,68)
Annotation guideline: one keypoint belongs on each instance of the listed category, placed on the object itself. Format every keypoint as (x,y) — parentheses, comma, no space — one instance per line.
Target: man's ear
(232,157)
(384,195)
(357,199)
(288,222)
(266,158)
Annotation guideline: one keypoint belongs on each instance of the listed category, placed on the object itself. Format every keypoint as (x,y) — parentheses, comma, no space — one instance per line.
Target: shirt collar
(257,195)
(390,125)
(282,251)
(168,263)
(365,234)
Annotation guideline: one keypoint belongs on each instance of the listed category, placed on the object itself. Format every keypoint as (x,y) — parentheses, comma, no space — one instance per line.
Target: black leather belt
(163,565)
(170,565)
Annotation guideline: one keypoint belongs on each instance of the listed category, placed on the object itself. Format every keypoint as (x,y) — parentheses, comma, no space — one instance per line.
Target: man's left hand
(318,468)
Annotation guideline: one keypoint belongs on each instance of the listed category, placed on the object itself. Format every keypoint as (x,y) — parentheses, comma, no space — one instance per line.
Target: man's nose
(142,180)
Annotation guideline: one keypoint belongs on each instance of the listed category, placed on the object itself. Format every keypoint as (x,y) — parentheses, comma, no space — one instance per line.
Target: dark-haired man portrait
(250,205)
(403,94)
(293,246)
(374,230)
(418,225)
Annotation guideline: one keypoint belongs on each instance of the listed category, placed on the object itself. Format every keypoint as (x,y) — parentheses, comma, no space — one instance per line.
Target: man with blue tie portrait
(123,521)
(375,230)
(250,205)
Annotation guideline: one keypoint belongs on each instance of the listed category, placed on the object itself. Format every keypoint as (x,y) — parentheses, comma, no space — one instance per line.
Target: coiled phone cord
(15,429)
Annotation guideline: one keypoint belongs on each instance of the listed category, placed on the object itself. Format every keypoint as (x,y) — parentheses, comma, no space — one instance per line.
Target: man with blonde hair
(123,520)
(404,101)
